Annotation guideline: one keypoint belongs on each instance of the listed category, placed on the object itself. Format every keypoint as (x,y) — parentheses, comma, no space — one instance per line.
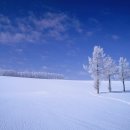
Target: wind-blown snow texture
(37,104)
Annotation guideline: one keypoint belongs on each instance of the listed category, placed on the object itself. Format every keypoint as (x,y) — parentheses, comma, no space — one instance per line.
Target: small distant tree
(95,66)
(109,69)
(124,70)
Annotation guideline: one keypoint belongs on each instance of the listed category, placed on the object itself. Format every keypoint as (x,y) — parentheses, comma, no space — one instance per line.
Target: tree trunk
(123,85)
(109,88)
(97,86)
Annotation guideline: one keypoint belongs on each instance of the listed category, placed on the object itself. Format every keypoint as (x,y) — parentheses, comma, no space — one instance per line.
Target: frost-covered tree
(95,67)
(41,75)
(109,69)
(124,70)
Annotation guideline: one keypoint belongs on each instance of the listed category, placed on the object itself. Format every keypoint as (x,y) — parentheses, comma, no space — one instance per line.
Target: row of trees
(101,66)
(40,75)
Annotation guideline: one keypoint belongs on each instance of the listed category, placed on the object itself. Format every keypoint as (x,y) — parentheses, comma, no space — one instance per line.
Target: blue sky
(59,35)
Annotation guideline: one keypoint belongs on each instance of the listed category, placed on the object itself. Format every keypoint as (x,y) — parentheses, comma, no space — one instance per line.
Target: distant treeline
(40,75)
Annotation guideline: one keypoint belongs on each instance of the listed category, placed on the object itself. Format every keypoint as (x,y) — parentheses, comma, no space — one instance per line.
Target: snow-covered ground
(37,104)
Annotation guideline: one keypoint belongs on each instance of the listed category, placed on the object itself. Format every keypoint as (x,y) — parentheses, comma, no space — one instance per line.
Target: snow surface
(37,104)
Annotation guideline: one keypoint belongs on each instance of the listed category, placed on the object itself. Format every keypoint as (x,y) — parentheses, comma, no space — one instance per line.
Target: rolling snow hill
(37,104)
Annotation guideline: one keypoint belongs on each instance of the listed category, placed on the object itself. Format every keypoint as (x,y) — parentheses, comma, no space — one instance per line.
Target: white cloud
(37,29)
(4,19)
(19,50)
(44,67)
(115,37)
(93,20)
(89,33)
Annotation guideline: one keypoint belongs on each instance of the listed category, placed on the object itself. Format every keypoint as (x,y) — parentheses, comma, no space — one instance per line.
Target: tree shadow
(104,92)
(127,91)
(117,92)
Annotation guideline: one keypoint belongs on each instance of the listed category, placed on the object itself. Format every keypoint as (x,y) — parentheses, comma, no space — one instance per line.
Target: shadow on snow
(127,91)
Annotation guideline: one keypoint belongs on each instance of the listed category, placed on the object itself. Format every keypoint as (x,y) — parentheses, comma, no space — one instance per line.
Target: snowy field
(37,104)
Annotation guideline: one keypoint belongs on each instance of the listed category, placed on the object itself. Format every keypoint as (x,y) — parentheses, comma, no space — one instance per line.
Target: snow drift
(37,104)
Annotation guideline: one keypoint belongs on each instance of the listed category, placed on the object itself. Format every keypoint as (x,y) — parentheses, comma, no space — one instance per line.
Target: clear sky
(59,35)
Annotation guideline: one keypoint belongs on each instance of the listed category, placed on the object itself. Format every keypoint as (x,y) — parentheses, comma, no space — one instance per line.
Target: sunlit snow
(38,104)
